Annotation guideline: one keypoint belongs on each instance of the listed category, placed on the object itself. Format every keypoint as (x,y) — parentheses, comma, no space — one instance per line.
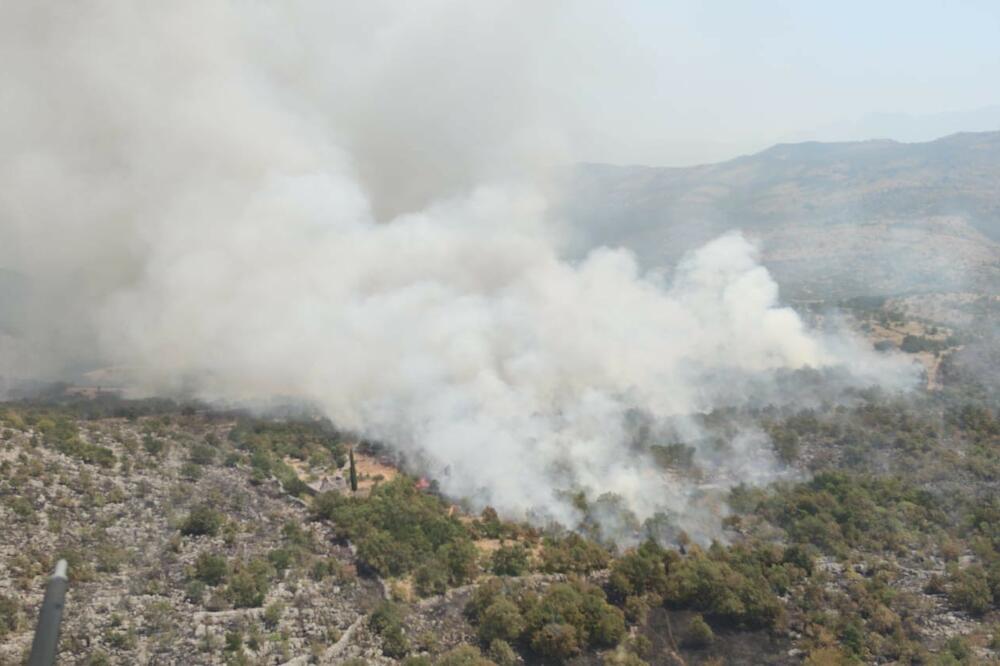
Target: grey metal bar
(46,643)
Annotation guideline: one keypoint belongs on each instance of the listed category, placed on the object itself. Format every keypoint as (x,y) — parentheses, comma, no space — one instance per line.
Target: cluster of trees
(913,344)
(267,443)
(315,441)
(737,585)
(398,529)
(555,624)
(104,404)
(836,511)
(572,553)
(939,457)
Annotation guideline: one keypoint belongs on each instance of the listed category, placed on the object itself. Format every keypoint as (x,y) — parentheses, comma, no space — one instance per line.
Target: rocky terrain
(133,596)
(204,537)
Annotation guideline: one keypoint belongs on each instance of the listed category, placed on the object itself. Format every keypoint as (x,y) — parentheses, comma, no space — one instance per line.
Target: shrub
(10,615)
(194,591)
(556,641)
(460,557)
(293,533)
(202,520)
(153,446)
(605,624)
(280,558)
(501,620)
(202,454)
(699,635)
(430,578)
(380,553)
(234,641)
(384,615)
(272,614)
(248,585)
(21,506)
(210,569)
(483,596)
(387,621)
(98,658)
(622,657)
(970,590)
(713,586)
(636,609)
(828,656)
(417,660)
(958,648)
(109,558)
(464,655)
(489,524)
(190,471)
(502,653)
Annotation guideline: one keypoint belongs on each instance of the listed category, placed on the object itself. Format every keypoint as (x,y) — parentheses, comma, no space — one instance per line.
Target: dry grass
(371,470)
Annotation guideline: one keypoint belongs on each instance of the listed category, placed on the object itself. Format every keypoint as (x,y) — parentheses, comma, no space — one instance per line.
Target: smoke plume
(342,202)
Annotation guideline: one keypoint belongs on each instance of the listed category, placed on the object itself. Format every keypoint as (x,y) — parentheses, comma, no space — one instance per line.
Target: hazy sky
(696,80)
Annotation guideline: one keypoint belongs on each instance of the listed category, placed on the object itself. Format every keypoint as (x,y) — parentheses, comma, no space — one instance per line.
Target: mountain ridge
(904,197)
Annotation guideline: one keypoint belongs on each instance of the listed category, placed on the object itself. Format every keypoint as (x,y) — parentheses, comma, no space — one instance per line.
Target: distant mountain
(834,219)
(905,126)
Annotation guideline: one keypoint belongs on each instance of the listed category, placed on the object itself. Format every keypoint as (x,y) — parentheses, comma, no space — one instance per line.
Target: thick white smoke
(316,200)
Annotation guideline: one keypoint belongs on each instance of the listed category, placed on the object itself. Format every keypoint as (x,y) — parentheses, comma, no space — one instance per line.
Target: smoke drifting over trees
(339,203)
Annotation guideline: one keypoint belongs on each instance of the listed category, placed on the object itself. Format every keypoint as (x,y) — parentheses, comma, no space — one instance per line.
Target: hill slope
(834,219)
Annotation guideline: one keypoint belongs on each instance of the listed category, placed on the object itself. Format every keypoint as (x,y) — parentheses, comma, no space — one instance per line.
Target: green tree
(460,556)
(510,560)
(380,553)
(353,470)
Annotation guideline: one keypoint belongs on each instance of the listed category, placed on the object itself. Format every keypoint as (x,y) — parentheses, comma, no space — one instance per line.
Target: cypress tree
(354,471)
